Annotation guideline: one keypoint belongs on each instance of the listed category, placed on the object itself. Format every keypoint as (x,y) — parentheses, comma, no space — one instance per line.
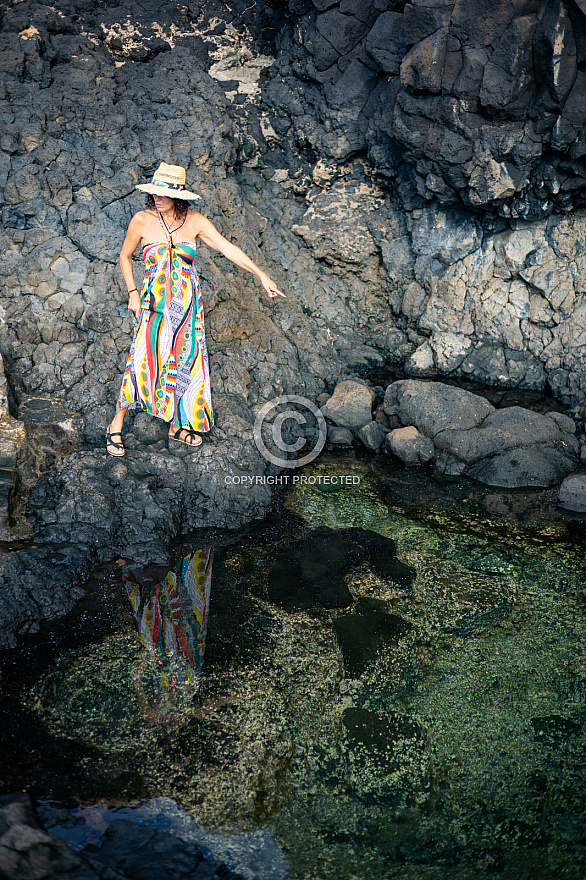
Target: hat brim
(158,190)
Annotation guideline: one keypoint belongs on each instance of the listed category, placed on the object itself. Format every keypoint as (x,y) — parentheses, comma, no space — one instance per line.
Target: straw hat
(168,180)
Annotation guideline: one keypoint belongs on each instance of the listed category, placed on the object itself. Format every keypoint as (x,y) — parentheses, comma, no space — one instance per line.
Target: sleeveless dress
(172,622)
(167,372)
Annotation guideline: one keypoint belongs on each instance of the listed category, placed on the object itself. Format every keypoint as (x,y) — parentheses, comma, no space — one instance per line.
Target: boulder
(509,428)
(410,446)
(433,406)
(524,468)
(350,406)
(572,493)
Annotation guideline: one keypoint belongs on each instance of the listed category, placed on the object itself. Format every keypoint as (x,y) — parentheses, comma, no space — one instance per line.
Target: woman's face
(163,203)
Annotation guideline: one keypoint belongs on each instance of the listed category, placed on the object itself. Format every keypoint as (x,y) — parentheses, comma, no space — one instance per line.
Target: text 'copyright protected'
(292,479)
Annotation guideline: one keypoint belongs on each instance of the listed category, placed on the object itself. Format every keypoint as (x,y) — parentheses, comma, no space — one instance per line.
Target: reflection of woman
(172,622)
(167,372)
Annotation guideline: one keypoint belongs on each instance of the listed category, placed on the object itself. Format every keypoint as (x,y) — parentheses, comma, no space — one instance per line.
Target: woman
(167,372)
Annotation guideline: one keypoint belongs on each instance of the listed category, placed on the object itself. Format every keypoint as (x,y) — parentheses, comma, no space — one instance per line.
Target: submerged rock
(313,570)
(379,650)
(386,755)
(382,557)
(553,729)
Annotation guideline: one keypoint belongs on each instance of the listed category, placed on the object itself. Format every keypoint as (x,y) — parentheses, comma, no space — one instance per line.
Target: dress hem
(163,419)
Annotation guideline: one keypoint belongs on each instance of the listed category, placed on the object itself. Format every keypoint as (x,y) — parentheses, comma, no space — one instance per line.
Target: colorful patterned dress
(167,373)
(172,622)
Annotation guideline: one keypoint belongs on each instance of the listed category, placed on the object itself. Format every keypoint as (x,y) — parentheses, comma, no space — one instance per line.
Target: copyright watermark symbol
(281,424)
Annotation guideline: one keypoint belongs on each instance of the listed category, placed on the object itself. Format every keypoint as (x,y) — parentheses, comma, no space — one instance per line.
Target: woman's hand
(210,236)
(270,286)
(134,303)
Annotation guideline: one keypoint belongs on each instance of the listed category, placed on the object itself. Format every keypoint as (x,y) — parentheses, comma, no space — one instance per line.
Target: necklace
(169,232)
(169,235)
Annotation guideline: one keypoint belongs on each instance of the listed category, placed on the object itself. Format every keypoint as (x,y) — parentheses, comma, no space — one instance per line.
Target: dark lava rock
(483,100)
(433,407)
(372,436)
(524,468)
(554,729)
(28,852)
(381,553)
(312,571)
(363,638)
(386,756)
(141,852)
(572,493)
(38,584)
(138,505)
(508,428)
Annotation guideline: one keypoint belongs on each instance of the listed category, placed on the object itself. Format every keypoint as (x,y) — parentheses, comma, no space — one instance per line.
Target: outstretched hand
(270,287)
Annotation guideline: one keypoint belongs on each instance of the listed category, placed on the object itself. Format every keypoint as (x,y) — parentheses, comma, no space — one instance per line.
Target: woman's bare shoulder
(197,221)
(142,217)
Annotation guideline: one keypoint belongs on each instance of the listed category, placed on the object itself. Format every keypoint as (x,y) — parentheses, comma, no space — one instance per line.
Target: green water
(458,753)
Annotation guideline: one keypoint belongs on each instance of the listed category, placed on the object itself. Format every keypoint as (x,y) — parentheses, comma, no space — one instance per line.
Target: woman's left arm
(210,236)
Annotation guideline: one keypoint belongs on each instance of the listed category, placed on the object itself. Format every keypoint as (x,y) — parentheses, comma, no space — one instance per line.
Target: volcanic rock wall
(411,174)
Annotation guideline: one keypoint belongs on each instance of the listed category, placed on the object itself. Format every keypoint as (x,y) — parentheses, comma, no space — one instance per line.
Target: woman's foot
(114,445)
(185,435)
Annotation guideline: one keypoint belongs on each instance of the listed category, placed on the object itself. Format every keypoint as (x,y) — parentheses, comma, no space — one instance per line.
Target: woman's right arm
(133,237)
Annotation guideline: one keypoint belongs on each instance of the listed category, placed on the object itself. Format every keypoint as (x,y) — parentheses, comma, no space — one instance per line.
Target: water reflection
(172,623)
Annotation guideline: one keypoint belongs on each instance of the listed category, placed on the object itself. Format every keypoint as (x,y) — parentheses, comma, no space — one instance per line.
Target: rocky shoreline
(84,507)
(29,852)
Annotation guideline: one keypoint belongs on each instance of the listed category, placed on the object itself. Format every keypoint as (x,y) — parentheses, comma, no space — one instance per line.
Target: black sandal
(114,443)
(189,435)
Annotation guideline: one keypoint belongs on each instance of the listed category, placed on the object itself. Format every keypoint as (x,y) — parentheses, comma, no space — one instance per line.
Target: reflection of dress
(167,372)
(172,622)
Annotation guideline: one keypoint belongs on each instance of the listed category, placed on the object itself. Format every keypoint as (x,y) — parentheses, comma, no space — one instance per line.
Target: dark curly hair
(181,205)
